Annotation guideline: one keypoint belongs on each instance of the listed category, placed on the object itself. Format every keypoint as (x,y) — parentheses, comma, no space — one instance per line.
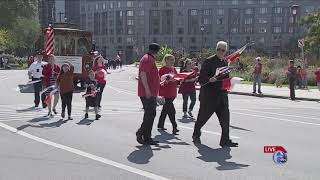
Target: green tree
(6,42)
(162,52)
(312,39)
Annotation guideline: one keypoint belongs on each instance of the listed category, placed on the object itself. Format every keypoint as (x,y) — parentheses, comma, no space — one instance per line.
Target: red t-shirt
(168,90)
(188,87)
(47,72)
(317,73)
(148,65)
(99,73)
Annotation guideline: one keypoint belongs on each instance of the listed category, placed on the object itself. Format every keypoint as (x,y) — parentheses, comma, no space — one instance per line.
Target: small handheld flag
(234,56)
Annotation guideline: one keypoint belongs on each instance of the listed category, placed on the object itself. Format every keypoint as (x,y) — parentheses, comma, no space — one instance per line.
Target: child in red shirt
(188,88)
(168,90)
(100,75)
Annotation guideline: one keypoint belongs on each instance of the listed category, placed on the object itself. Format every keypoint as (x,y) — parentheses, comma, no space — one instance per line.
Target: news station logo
(279,153)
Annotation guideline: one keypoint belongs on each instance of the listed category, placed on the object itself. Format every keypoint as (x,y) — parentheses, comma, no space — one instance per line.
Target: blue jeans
(193,99)
(257,80)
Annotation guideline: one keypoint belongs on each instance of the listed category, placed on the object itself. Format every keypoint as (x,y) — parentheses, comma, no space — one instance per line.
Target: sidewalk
(273,92)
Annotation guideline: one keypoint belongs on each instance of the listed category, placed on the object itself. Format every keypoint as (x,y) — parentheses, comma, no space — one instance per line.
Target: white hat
(222,45)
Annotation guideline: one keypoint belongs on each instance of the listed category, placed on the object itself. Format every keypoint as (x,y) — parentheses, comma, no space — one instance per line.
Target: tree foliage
(312,39)
(162,52)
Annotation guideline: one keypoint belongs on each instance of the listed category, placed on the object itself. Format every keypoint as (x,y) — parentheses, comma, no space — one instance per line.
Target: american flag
(49,40)
(234,56)
(223,70)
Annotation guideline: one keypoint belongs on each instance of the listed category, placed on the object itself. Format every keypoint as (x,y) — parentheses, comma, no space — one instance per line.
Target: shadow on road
(85,121)
(220,156)
(32,108)
(43,125)
(39,119)
(239,128)
(142,154)
(165,137)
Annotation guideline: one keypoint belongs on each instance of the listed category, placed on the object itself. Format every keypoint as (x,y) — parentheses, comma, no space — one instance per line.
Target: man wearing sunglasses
(213,99)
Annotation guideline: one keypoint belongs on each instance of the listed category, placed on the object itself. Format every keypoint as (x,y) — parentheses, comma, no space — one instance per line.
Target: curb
(269,96)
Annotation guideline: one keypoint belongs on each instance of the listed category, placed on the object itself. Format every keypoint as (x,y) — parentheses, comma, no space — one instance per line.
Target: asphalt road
(33,147)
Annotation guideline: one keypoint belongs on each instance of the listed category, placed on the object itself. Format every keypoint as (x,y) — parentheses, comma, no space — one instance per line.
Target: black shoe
(196,140)
(98,116)
(86,116)
(162,128)
(175,131)
(44,106)
(190,114)
(54,111)
(70,118)
(151,142)
(36,105)
(260,92)
(139,138)
(229,144)
(63,115)
(254,93)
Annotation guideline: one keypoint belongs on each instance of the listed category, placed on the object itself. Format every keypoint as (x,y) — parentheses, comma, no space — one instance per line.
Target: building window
(97,7)
(234,30)
(129,13)
(277,10)
(262,30)
(129,40)
(249,1)
(180,40)
(104,6)
(276,29)
(180,3)
(83,9)
(262,20)
(207,12)
(234,2)
(140,4)
(119,40)
(180,31)
(130,22)
(206,21)
(193,12)
(263,1)
(130,30)
(248,21)
(155,3)
(119,4)
(111,5)
(248,11)
(129,3)
(141,13)
(263,10)
(278,1)
(290,30)
(220,21)
(193,39)
(248,30)
(220,12)
(291,19)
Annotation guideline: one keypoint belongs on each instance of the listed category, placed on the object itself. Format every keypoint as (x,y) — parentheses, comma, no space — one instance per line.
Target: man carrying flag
(213,97)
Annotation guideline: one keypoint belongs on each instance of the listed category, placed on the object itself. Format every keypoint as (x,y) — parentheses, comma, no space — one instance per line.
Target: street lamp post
(294,11)
(202,31)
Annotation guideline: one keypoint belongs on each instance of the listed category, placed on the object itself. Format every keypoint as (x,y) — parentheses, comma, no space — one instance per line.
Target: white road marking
(205,131)
(84,154)
(279,114)
(279,119)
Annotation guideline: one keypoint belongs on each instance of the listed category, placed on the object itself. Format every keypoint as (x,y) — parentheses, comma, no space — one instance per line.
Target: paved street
(33,147)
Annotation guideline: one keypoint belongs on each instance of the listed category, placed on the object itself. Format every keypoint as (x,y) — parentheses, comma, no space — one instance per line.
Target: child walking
(168,90)
(65,83)
(188,88)
(91,95)
(100,75)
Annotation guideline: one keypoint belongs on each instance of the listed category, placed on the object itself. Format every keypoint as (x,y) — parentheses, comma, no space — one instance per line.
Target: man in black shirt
(292,78)
(213,99)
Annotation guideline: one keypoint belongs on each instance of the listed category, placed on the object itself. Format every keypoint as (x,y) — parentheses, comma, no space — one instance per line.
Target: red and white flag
(222,70)
(179,76)
(229,83)
(234,56)
(49,40)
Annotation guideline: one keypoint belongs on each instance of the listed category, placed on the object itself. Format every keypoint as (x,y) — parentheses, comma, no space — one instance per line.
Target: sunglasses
(222,50)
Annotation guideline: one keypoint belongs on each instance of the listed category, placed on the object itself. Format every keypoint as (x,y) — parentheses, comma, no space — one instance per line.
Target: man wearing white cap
(213,99)
(256,76)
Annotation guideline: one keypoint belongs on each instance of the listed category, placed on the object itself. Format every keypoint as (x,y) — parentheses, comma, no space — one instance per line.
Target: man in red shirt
(148,89)
(257,75)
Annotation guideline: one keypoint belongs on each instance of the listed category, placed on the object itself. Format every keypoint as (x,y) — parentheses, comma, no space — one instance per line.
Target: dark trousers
(193,99)
(292,83)
(66,100)
(149,106)
(37,89)
(168,109)
(100,92)
(208,105)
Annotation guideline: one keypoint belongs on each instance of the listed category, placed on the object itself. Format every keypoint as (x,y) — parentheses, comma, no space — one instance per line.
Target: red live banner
(272,149)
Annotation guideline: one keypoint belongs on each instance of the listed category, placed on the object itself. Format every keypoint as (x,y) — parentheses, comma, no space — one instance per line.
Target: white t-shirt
(36,69)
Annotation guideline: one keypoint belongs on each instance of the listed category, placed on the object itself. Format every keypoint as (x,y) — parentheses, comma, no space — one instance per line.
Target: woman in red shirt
(188,88)
(100,72)
(317,73)
(168,90)
(50,73)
